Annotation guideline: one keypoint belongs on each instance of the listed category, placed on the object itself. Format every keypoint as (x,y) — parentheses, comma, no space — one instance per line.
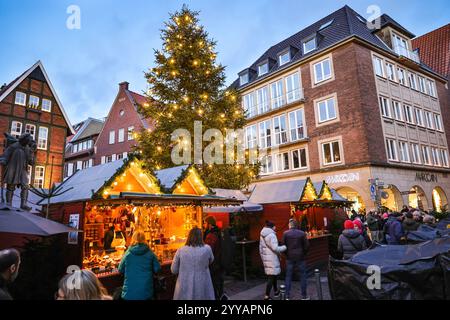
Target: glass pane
(295,160)
(286,161)
(336,153)
(331,109)
(302,158)
(318,72)
(327,153)
(322,111)
(292,126)
(326,68)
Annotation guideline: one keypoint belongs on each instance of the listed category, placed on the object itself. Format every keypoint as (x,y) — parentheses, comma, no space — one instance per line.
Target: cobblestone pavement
(254,289)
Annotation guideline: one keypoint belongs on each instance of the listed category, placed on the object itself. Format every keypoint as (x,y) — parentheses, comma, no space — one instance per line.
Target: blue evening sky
(116,39)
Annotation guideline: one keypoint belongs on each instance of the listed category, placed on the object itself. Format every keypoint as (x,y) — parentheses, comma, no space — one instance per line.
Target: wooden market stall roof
(294,191)
(127,178)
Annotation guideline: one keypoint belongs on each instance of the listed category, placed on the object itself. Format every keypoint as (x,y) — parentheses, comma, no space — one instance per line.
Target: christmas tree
(186,86)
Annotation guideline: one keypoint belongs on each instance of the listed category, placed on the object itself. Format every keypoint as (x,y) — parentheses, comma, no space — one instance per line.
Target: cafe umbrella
(22,222)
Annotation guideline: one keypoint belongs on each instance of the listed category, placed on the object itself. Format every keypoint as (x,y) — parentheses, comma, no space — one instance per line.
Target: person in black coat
(9,270)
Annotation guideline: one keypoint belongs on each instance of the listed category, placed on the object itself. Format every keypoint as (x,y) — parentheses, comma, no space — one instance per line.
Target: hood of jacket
(139,249)
(266,231)
(350,233)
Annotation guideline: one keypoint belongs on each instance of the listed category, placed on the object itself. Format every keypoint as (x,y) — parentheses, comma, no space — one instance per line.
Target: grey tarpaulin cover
(420,271)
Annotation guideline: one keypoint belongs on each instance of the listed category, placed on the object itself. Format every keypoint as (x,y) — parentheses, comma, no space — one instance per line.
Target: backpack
(228,246)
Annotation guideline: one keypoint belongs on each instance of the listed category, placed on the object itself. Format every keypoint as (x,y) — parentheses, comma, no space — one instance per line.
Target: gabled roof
(340,25)
(89,128)
(169,177)
(11,86)
(386,20)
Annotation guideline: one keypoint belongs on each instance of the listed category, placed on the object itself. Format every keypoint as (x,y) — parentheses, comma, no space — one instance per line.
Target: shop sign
(342,178)
(426,177)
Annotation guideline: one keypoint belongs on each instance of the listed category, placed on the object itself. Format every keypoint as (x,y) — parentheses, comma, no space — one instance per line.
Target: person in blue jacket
(138,266)
(394,229)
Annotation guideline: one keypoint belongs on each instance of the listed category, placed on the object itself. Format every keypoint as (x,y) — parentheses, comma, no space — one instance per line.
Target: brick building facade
(116,138)
(30,104)
(343,103)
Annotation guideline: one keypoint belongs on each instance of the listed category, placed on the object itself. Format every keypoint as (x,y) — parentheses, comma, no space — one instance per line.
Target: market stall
(111,201)
(313,205)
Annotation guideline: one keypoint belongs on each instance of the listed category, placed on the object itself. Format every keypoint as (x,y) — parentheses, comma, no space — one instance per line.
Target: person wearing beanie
(362,231)
(350,241)
(212,236)
(409,224)
(269,251)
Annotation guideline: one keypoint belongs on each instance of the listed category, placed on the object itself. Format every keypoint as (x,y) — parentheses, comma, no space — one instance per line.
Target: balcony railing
(411,55)
(275,103)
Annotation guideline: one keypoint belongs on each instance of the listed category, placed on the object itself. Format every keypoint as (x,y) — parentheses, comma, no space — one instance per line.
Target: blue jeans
(290,267)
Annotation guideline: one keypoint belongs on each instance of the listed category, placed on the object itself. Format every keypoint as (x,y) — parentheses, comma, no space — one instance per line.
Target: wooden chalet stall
(313,205)
(123,197)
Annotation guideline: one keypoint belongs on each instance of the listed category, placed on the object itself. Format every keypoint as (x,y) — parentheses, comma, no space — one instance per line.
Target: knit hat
(358,223)
(210,220)
(348,224)
(269,224)
(385,215)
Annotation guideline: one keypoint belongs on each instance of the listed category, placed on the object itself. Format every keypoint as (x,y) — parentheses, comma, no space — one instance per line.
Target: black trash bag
(408,272)
(422,234)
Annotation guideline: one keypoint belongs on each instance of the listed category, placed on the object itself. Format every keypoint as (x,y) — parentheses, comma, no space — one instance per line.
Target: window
(21,98)
(284,57)
(444,157)
(276,94)
(131,133)
(121,112)
(280,129)
(400,45)
(249,104)
(326,24)
(282,161)
(397,110)
(390,71)
(408,114)
(263,69)
(309,45)
(43,137)
(46,105)
(90,143)
(293,87)
(322,70)
(84,145)
(16,129)
(385,108)
(401,76)
(33,102)
(262,100)
(404,151)
(265,134)
(431,91)
(435,157)
(378,66)
(437,120)
(266,164)
(243,79)
(112,137)
(426,155)
(39,177)
(299,159)
(31,129)
(391,149)
(120,156)
(422,84)
(429,120)
(412,80)
(75,148)
(296,127)
(121,135)
(326,110)
(109,159)
(85,164)
(419,117)
(331,153)
(415,153)
(250,137)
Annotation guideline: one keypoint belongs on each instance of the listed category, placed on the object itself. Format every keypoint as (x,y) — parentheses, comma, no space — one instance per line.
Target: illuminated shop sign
(342,178)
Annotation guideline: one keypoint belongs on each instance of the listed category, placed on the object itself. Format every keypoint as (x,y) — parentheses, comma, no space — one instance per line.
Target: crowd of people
(382,227)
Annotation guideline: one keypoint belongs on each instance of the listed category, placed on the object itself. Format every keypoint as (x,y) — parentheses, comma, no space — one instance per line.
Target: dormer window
(326,24)
(284,57)
(309,45)
(263,69)
(243,78)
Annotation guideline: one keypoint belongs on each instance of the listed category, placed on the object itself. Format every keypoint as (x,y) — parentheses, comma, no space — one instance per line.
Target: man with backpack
(213,238)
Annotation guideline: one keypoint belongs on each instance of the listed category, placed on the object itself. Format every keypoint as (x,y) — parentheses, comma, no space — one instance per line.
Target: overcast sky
(117,38)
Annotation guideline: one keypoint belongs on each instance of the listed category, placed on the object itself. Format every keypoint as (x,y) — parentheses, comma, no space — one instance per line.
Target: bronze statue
(19,154)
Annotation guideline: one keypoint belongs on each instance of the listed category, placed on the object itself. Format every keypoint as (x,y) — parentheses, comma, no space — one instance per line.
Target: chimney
(123,85)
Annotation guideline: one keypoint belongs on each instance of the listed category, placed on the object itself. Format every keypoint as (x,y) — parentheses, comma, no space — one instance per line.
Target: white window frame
(267,164)
(112,137)
(263,69)
(277,94)
(333,160)
(390,71)
(39,181)
(391,149)
(46,105)
(251,141)
(296,131)
(422,87)
(42,141)
(412,81)
(438,122)
(418,113)
(426,156)
(327,110)
(33,101)
(130,133)
(29,126)
(431,88)
(284,54)
(415,152)
(244,78)
(284,161)
(444,157)
(262,100)
(401,76)
(305,50)
(299,152)
(385,107)
(324,77)
(429,120)
(435,157)
(264,138)
(280,133)
(16,128)
(404,151)
(249,104)
(293,87)
(121,135)
(20,98)
(409,113)
(398,110)
(378,67)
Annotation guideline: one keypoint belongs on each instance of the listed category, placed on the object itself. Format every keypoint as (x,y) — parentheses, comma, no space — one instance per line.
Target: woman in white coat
(269,251)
